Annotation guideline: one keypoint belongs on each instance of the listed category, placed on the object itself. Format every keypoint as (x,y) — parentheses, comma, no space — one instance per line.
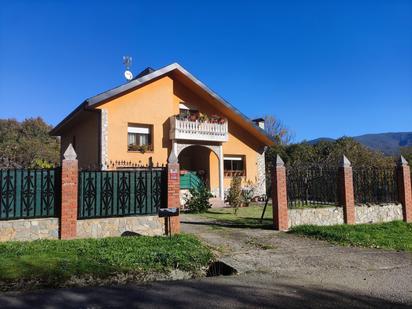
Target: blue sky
(324,68)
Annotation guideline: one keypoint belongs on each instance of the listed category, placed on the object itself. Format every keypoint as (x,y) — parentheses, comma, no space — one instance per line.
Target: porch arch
(177,148)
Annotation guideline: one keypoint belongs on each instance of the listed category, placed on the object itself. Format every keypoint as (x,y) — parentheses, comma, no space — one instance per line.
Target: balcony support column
(221,185)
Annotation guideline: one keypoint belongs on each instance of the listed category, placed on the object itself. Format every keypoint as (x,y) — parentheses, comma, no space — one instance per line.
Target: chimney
(260,122)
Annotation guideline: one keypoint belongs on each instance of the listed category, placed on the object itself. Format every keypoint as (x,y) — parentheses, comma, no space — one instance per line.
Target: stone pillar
(346,189)
(68,211)
(221,176)
(405,189)
(173,192)
(279,196)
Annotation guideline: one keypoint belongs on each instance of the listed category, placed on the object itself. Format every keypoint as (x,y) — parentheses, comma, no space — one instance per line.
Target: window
(185,110)
(234,165)
(139,138)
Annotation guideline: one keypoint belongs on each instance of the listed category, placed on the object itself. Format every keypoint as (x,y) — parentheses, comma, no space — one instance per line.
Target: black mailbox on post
(167,213)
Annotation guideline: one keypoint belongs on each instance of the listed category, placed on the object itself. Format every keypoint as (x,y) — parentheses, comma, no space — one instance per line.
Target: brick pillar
(279,196)
(173,192)
(405,189)
(346,190)
(68,211)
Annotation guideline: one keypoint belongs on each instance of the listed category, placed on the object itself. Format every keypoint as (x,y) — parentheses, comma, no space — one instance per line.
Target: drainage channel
(219,268)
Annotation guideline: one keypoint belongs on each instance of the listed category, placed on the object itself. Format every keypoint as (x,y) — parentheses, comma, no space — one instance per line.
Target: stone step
(217,202)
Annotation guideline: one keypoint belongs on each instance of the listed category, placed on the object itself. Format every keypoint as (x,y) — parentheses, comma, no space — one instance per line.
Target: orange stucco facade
(99,141)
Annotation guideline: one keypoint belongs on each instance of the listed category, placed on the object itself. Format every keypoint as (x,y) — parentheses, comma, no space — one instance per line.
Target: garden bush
(199,200)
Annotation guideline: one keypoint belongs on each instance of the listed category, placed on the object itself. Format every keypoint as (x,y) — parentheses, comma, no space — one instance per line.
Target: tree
(275,129)
(407,154)
(27,144)
(329,153)
(234,196)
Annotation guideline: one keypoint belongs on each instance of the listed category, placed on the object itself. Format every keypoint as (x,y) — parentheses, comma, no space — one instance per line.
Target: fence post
(68,211)
(173,192)
(347,193)
(405,190)
(279,196)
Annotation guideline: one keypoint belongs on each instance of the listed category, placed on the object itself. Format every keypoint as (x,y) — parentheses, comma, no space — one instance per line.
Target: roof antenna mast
(127,61)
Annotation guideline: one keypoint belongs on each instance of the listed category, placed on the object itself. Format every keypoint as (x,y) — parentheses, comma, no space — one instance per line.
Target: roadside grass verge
(51,263)
(396,235)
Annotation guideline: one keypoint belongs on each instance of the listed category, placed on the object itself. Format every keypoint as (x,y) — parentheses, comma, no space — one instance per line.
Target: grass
(246,216)
(395,235)
(52,262)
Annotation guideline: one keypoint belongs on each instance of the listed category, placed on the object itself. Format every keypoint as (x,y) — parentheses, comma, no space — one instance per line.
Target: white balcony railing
(199,131)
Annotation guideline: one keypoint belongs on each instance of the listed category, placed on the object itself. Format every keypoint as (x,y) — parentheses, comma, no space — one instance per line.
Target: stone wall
(334,215)
(29,229)
(378,213)
(111,227)
(316,216)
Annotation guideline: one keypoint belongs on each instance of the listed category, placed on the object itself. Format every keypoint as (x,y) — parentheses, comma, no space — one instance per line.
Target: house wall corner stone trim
(104,138)
(260,186)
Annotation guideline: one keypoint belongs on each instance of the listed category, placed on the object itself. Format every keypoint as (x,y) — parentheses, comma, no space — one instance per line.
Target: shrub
(234,196)
(248,193)
(199,200)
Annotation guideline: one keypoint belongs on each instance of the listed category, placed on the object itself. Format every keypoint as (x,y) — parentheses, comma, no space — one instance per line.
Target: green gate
(122,193)
(190,180)
(29,193)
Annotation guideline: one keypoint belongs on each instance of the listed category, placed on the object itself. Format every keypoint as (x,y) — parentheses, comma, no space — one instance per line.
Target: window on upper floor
(139,137)
(234,165)
(185,110)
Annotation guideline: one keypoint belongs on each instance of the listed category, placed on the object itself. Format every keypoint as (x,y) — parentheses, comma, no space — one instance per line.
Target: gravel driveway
(298,260)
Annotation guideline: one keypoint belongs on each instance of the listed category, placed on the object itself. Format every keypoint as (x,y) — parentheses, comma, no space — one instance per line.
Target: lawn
(53,262)
(395,235)
(246,216)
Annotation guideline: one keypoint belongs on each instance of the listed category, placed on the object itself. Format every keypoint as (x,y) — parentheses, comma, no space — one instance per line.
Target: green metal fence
(29,193)
(121,193)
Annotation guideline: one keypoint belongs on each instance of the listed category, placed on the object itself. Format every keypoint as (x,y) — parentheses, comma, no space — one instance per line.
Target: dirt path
(376,273)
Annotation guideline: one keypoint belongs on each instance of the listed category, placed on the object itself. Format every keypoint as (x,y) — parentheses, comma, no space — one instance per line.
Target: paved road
(275,270)
(243,291)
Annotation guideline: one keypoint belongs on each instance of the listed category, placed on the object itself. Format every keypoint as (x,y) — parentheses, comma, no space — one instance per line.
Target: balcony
(198,130)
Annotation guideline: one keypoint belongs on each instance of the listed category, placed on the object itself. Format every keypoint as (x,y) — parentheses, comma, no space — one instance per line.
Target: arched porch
(198,157)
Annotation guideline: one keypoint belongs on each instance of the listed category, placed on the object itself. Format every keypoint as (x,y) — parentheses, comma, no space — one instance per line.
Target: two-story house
(163,111)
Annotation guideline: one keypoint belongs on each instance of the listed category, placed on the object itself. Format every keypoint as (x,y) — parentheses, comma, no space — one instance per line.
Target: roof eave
(92,102)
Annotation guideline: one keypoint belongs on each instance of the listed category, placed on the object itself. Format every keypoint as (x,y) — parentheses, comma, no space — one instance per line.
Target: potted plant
(193,116)
(214,119)
(140,148)
(203,117)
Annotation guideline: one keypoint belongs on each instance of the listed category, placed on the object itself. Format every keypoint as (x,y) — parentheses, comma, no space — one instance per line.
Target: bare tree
(275,128)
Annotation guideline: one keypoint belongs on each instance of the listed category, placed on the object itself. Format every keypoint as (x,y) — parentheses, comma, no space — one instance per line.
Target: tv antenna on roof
(127,61)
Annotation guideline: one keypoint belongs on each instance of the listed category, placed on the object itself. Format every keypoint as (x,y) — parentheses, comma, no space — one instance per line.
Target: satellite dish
(128,75)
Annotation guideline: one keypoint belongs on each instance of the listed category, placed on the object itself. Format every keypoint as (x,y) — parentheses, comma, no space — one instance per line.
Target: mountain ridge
(388,143)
